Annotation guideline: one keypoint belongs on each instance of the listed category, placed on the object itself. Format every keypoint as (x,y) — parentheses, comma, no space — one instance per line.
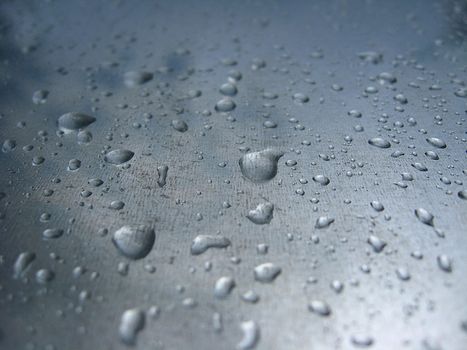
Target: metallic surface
(66,47)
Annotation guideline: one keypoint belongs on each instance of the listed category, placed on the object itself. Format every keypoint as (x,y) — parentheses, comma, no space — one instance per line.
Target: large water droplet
(74,121)
(262,214)
(436,142)
(260,166)
(203,242)
(134,242)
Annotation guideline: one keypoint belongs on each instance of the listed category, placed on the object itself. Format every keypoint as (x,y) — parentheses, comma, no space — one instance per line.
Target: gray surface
(421,41)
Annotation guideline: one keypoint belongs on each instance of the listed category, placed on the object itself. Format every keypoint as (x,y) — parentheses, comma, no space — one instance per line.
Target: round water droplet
(260,166)
(225,104)
(134,242)
(179,125)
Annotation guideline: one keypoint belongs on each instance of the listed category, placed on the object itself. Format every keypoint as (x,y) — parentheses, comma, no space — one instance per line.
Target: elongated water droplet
(251,335)
(131,323)
(324,221)
(444,263)
(118,156)
(135,78)
(52,233)
(223,287)
(22,263)
(266,272)
(162,173)
(74,121)
(436,142)
(424,216)
(379,142)
(203,242)
(319,307)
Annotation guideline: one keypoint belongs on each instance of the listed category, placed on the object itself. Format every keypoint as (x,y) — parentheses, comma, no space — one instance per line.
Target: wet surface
(233,175)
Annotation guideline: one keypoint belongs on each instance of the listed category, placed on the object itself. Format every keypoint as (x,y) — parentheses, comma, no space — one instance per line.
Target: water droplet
(223,287)
(203,242)
(300,98)
(228,89)
(179,125)
(84,137)
(376,243)
(362,340)
(462,194)
(225,104)
(379,142)
(354,113)
(162,173)
(377,205)
(424,216)
(40,97)
(131,323)
(262,214)
(436,142)
(118,156)
(420,167)
(135,78)
(260,166)
(22,263)
(74,121)
(250,297)
(267,272)
(134,242)
(321,179)
(74,164)
(251,335)
(403,274)
(444,263)
(323,222)
(319,307)
(44,276)
(52,233)
(8,146)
